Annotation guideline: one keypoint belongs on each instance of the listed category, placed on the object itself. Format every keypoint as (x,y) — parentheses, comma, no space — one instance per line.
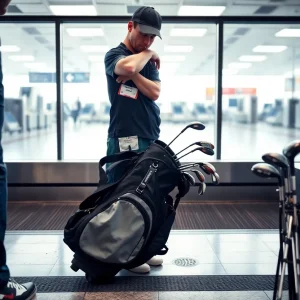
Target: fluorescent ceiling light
(252,58)
(186,10)
(229,71)
(172,58)
(96,58)
(9,48)
(239,65)
(94,48)
(188,32)
(178,48)
(35,65)
(292,32)
(19,58)
(269,49)
(72,10)
(85,31)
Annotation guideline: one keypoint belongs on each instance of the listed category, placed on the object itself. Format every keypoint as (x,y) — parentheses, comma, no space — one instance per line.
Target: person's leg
(9,289)
(4,272)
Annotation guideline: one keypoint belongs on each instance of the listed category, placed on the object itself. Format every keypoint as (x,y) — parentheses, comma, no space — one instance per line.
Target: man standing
(9,289)
(133,87)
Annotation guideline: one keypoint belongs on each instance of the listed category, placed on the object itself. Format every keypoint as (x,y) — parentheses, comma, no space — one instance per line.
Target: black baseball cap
(148,19)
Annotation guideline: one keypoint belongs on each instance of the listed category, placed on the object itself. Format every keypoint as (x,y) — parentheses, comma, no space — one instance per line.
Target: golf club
(205,150)
(193,125)
(201,143)
(215,178)
(190,178)
(268,171)
(202,188)
(280,161)
(199,175)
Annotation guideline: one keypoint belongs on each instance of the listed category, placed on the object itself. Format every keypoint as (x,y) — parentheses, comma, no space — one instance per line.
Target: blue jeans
(4,271)
(113,148)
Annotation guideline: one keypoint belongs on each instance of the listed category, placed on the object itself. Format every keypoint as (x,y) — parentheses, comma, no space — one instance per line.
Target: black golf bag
(125,223)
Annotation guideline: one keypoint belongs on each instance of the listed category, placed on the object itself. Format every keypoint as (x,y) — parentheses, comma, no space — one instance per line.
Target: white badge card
(129,143)
(128,91)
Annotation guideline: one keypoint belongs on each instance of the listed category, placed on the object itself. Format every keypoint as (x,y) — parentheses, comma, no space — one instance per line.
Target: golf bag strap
(120,156)
(91,201)
(117,157)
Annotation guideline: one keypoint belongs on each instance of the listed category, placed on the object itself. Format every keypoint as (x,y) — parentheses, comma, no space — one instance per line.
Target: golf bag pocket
(117,233)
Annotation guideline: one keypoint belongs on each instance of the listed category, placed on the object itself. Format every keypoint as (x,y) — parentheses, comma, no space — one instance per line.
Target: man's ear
(130,26)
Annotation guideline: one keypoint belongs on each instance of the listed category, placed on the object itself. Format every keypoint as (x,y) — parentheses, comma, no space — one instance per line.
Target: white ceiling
(38,40)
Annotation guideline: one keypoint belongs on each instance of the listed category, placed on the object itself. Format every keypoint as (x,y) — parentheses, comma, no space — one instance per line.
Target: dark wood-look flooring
(190,215)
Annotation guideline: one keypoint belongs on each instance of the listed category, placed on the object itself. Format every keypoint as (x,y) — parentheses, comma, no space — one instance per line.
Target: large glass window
(261,89)
(28,62)
(187,71)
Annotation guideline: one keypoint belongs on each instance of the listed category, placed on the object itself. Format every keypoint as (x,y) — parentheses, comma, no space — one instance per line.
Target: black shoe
(15,291)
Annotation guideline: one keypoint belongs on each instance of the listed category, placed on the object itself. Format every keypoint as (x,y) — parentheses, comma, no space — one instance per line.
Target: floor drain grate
(185,262)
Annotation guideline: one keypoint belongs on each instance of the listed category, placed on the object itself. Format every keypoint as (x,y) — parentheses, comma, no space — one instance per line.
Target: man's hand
(3,6)
(155,59)
(123,79)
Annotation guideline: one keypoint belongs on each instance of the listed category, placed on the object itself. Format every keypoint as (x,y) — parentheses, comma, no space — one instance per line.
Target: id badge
(128,91)
(128,143)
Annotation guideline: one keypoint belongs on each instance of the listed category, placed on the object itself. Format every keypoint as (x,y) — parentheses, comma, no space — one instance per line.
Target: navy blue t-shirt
(130,116)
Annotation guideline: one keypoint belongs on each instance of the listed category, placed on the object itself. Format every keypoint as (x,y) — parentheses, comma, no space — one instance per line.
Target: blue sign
(68,77)
(76,77)
(42,77)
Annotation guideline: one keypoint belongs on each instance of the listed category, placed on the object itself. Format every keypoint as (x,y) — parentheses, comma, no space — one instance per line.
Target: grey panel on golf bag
(121,226)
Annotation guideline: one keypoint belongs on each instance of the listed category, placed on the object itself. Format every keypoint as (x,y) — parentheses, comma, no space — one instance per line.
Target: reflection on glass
(28,61)
(187,54)
(261,90)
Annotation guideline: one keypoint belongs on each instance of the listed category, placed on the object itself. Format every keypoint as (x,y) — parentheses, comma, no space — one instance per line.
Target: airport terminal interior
(233,65)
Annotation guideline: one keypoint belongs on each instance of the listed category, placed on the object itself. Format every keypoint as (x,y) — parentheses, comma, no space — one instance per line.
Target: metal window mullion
(219,88)
(59,99)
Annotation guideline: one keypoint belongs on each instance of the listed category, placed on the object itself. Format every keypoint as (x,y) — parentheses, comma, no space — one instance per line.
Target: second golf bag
(125,223)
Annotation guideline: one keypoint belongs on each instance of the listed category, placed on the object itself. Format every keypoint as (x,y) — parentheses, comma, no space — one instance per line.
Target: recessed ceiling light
(20,58)
(85,31)
(9,48)
(252,58)
(194,10)
(269,49)
(288,32)
(73,10)
(172,58)
(188,32)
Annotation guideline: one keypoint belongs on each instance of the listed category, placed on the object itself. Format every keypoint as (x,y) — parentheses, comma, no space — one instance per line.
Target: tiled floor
(228,252)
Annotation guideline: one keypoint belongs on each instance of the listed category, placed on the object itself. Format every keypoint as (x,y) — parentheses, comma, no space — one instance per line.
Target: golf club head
(190,178)
(290,151)
(207,168)
(207,150)
(194,125)
(199,175)
(215,178)
(202,188)
(267,171)
(276,159)
(205,144)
